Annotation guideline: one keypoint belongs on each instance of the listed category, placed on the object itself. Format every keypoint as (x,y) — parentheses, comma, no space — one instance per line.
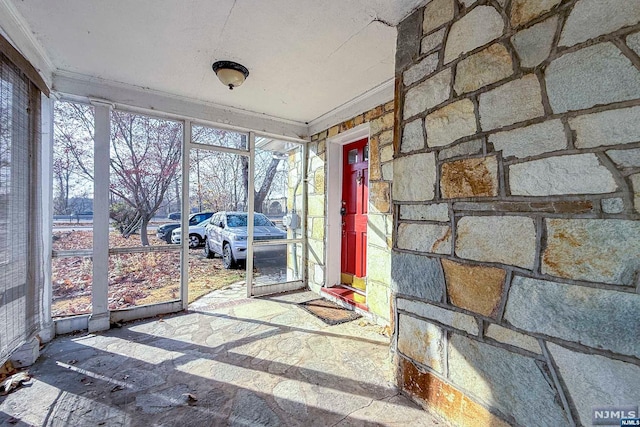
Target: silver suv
(226,235)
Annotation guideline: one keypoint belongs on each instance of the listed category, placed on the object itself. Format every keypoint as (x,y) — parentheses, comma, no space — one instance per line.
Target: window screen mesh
(20,260)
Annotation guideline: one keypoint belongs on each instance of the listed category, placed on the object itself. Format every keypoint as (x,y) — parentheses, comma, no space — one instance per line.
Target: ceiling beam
(121,94)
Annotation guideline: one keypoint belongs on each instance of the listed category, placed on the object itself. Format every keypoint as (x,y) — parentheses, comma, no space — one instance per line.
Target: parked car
(174,216)
(196,234)
(164,231)
(226,235)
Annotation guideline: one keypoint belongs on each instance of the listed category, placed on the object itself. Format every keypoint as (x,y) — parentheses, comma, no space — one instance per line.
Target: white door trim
(334,194)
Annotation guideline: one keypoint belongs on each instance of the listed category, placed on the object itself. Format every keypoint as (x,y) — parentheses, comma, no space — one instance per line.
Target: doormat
(329,312)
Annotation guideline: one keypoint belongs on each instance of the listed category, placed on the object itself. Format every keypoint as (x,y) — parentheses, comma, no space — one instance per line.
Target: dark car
(174,216)
(164,231)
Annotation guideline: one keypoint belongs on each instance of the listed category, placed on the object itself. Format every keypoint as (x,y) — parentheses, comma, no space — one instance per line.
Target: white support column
(303,218)
(184,216)
(47,329)
(250,207)
(99,320)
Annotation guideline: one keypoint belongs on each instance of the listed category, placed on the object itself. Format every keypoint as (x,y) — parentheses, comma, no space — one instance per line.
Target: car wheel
(194,241)
(207,250)
(227,257)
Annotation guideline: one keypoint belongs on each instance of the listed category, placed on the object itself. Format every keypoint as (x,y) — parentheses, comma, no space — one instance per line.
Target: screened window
(19,214)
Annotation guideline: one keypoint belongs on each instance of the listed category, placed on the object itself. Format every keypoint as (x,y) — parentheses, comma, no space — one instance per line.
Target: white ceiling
(305,57)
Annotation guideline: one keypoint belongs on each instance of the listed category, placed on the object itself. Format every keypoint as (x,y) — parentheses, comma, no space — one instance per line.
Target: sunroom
(463,174)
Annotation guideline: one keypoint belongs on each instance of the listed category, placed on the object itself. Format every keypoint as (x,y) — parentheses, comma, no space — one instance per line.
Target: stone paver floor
(244,362)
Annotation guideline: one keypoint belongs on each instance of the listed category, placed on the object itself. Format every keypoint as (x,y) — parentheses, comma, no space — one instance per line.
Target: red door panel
(355,201)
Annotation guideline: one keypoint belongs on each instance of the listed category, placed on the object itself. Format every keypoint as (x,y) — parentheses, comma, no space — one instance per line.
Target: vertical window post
(99,320)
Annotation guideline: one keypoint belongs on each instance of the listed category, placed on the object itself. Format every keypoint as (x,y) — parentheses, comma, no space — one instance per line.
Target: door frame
(333,248)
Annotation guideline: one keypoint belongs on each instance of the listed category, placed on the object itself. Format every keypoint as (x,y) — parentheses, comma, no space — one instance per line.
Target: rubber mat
(329,312)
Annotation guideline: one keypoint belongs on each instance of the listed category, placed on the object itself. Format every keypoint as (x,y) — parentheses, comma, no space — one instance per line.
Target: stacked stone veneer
(516,189)
(295,192)
(380,219)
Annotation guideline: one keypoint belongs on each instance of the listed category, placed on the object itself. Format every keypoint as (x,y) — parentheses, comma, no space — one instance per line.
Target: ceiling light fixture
(230,73)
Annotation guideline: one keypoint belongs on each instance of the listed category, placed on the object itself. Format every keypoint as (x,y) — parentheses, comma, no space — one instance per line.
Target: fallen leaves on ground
(134,279)
(13,382)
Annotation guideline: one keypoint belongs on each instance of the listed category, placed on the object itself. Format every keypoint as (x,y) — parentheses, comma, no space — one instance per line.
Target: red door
(355,201)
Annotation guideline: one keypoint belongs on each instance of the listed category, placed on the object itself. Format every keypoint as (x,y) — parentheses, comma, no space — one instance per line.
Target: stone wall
(380,220)
(516,192)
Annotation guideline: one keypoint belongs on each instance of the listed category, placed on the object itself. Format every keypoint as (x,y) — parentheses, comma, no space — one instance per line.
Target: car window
(261,220)
(237,220)
(240,220)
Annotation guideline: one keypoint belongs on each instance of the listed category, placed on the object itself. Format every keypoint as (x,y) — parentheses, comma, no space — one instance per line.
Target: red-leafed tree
(145,157)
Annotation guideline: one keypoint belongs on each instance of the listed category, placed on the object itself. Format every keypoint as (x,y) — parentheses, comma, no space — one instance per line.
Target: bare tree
(72,153)
(145,157)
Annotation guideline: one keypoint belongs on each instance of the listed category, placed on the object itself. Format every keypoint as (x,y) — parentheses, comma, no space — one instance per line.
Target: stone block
(437,13)
(462,149)
(595,75)
(625,158)
(428,94)
(511,103)
(386,153)
(473,287)
(408,40)
(504,239)
(374,113)
(432,41)
(530,140)
(509,382)
(534,44)
(446,317)
(375,172)
(445,400)
(468,3)
(591,380)
(592,18)
(633,41)
(381,123)
(417,276)
(611,127)
(378,265)
(379,198)
(449,123)
(613,205)
(318,181)
(421,341)
(315,205)
(596,318)
(635,183)
(387,171)
(414,177)
(317,228)
(477,28)
(386,137)
(523,11)
(379,230)
(575,174)
(379,300)
(511,337)
(423,68)
(412,137)
(595,250)
(475,177)
(432,212)
(431,238)
(485,67)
